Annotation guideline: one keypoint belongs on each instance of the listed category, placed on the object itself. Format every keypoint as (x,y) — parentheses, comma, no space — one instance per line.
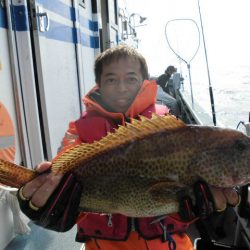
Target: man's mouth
(122,101)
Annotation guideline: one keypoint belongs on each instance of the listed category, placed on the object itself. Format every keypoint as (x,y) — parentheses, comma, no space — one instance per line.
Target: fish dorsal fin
(135,130)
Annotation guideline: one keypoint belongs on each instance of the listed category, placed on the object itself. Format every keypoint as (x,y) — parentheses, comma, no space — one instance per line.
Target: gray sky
(225,27)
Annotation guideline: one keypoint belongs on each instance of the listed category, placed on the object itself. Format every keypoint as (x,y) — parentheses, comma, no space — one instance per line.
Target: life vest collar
(145,97)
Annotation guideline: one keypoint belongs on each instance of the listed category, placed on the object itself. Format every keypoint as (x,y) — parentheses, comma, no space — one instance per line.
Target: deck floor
(41,239)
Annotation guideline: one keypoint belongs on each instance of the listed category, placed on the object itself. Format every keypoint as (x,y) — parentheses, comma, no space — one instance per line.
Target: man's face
(119,83)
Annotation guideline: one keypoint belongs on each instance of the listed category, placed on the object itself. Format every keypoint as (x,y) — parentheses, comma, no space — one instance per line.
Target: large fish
(139,169)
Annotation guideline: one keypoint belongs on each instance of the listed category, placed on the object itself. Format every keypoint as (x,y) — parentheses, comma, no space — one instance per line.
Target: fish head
(225,160)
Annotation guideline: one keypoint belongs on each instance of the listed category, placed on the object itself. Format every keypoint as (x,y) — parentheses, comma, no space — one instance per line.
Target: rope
(19,223)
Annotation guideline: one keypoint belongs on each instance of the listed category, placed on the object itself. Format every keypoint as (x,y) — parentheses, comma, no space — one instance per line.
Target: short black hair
(115,53)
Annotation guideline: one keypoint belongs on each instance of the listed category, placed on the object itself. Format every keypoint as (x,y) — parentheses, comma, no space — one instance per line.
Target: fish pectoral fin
(163,191)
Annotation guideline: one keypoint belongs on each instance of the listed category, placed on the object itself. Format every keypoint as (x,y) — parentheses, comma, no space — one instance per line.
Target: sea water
(231,91)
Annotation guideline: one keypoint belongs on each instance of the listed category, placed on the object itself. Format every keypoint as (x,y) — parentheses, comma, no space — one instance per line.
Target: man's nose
(121,85)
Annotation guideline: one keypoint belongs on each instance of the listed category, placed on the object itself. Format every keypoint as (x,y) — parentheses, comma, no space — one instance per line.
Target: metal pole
(191,86)
(209,80)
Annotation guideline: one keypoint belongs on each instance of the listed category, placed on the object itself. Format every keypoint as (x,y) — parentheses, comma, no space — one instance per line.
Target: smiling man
(122,92)
(119,84)
(119,76)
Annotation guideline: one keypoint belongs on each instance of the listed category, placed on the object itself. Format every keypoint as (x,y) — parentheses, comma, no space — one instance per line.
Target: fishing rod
(188,63)
(208,73)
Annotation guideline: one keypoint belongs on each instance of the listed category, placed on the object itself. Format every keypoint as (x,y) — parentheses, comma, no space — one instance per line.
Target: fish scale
(139,169)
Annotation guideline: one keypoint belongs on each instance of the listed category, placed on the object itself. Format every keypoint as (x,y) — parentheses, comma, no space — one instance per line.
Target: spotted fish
(139,169)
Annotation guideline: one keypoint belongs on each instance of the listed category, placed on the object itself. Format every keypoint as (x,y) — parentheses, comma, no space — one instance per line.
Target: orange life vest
(112,232)
(116,226)
(7,135)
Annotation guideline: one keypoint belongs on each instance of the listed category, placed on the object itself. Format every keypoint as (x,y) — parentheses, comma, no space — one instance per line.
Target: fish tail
(13,175)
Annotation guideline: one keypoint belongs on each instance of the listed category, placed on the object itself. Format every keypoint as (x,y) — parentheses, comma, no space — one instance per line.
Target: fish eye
(240,145)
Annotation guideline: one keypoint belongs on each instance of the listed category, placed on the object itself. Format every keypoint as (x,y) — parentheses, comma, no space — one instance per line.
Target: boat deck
(41,239)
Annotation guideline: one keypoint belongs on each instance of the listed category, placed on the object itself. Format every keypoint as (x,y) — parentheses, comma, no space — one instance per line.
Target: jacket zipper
(132,224)
(110,223)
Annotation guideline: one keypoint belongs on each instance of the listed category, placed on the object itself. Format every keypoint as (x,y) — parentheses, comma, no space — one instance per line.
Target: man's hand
(40,189)
(224,197)
(51,200)
(208,201)
(211,199)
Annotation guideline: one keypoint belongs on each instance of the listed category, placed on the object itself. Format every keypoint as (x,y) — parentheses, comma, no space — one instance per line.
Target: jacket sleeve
(70,139)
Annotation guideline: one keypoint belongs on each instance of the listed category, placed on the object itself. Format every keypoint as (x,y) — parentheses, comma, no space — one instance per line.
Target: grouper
(139,169)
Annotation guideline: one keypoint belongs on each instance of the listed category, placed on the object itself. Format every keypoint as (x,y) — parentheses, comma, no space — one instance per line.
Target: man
(163,94)
(163,79)
(122,92)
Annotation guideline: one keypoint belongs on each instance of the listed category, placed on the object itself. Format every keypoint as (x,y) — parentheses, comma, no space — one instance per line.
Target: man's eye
(132,80)
(110,81)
